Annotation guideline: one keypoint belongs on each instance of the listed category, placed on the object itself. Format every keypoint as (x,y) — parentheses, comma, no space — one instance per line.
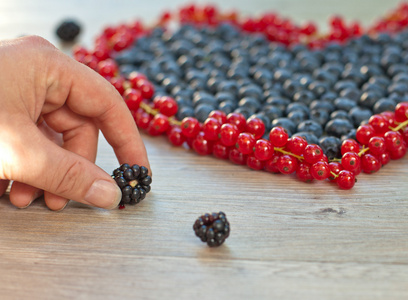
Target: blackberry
(134,182)
(212,229)
(68,30)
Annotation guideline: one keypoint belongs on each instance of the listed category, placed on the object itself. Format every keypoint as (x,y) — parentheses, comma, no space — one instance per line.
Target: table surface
(289,240)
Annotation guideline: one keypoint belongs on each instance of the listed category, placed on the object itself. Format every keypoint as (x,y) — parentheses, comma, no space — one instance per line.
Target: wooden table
(289,240)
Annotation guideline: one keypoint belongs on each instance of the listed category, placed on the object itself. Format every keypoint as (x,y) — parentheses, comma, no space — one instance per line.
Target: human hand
(52,109)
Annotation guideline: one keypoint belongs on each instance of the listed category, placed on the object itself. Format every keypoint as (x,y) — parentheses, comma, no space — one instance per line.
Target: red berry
(142,118)
(201,145)
(237,157)
(393,140)
(238,120)
(364,133)
(211,129)
(312,153)
(158,125)
(350,161)
(401,112)
(296,145)
(146,87)
(303,172)
(254,163)
(376,145)
(349,145)
(278,136)
(221,151)
(108,68)
(399,152)
(369,163)
(346,180)
(229,134)
(320,170)
(219,115)
(287,164)
(384,158)
(175,136)
(134,77)
(132,98)
(118,83)
(256,127)
(271,165)
(246,143)
(190,127)
(166,105)
(263,149)
(335,168)
(379,123)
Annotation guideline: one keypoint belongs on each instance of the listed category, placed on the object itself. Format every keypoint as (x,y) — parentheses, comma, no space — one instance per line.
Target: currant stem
(334,174)
(154,112)
(288,153)
(400,126)
(362,151)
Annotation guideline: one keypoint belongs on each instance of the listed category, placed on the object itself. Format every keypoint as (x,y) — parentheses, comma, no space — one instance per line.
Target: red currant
(296,145)
(256,127)
(220,150)
(401,112)
(376,145)
(246,143)
(364,133)
(175,136)
(346,179)
(229,134)
(287,164)
(132,98)
(303,172)
(254,163)
(263,149)
(393,140)
(312,153)
(349,145)
(158,125)
(219,115)
(237,157)
(369,163)
(201,145)
(278,136)
(379,123)
(211,129)
(190,127)
(142,118)
(166,105)
(238,120)
(335,168)
(320,170)
(350,161)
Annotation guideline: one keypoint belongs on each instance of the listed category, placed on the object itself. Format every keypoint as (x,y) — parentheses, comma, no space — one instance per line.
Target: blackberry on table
(68,30)
(134,182)
(212,229)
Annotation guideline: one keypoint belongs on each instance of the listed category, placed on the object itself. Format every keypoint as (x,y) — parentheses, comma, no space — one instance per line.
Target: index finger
(90,95)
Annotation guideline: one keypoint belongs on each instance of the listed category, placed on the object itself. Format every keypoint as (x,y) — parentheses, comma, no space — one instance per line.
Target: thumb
(51,168)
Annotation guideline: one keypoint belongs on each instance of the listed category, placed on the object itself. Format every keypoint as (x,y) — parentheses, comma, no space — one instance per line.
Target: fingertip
(55,202)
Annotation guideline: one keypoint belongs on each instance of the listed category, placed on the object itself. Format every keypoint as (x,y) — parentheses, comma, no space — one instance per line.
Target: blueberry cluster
(321,95)
(212,229)
(68,30)
(134,182)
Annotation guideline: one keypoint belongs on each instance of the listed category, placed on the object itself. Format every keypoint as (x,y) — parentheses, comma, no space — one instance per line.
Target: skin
(52,108)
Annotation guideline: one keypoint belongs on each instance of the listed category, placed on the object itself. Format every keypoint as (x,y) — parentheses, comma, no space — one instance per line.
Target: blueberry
(308,136)
(320,116)
(359,114)
(310,126)
(384,104)
(285,123)
(338,127)
(330,146)
(345,104)
(340,114)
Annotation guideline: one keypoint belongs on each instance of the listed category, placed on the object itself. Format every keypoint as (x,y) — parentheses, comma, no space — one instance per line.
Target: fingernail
(36,195)
(104,194)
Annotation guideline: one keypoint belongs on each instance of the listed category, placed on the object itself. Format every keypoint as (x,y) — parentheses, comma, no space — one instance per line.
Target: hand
(52,109)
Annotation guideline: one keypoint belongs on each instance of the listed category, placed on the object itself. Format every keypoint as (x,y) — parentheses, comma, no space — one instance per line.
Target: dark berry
(212,229)
(68,30)
(134,181)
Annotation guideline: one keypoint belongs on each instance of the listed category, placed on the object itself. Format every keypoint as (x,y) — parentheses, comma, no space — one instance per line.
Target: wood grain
(289,240)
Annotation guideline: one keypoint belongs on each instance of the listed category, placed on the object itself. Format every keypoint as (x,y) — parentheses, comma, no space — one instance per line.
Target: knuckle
(70,181)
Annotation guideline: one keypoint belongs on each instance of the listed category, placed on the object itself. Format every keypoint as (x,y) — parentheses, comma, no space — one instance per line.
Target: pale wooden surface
(289,240)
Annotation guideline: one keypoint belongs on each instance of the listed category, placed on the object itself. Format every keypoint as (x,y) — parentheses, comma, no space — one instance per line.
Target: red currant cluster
(232,136)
